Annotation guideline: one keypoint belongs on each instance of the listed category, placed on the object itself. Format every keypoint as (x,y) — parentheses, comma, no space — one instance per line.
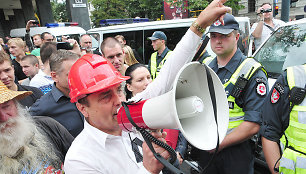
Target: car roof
(152,25)
(56,31)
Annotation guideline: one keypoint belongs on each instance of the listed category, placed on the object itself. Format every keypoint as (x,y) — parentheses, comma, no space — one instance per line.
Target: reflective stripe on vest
(296,131)
(292,162)
(247,68)
(207,60)
(154,68)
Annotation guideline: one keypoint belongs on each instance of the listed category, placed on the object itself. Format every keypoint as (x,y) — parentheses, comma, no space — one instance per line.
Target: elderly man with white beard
(29,144)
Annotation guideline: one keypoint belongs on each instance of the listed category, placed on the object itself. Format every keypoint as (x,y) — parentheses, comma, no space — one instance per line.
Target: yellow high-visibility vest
(154,68)
(247,68)
(292,161)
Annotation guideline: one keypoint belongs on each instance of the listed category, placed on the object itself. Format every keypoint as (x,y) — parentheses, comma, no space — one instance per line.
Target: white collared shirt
(94,151)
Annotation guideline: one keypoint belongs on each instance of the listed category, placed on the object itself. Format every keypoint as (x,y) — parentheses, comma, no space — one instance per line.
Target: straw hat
(7,94)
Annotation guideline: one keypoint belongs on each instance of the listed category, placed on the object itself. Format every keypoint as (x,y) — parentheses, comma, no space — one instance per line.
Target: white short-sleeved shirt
(266,32)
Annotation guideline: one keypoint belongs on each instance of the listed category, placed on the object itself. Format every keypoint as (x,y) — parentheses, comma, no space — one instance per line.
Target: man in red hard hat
(102,147)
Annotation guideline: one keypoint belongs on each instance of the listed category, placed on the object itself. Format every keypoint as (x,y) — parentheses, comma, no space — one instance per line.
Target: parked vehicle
(285,47)
(136,34)
(71,31)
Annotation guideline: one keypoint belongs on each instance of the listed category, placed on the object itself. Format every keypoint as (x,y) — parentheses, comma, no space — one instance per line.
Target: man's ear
(82,109)
(237,36)
(54,76)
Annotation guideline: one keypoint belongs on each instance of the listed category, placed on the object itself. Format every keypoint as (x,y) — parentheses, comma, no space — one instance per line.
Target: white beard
(23,136)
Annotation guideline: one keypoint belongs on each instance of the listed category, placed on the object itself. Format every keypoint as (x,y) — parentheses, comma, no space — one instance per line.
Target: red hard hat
(92,73)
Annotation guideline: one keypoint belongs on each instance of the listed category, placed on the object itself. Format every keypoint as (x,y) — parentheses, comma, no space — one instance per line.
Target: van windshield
(286,47)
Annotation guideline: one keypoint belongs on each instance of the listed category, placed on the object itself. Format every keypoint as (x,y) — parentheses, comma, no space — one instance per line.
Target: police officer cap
(158,35)
(230,24)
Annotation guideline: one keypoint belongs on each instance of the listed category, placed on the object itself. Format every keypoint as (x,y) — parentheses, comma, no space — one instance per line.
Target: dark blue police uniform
(276,115)
(237,158)
(56,105)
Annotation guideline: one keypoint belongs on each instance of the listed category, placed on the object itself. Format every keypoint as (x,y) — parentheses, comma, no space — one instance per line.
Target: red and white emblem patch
(261,89)
(217,23)
(275,96)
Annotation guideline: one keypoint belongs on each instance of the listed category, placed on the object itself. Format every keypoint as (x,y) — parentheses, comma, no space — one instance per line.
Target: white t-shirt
(42,81)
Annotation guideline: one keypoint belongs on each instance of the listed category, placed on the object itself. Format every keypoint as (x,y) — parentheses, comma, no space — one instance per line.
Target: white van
(73,32)
(136,34)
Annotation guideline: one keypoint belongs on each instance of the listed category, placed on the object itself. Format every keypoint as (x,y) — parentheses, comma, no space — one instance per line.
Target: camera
(266,11)
(64,45)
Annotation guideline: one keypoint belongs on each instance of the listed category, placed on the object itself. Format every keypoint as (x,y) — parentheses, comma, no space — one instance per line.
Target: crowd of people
(58,108)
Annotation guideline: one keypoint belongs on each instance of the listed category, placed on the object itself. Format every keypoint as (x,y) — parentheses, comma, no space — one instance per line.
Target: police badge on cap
(230,24)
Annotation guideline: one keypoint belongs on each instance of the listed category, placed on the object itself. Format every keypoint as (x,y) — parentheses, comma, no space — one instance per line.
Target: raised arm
(184,50)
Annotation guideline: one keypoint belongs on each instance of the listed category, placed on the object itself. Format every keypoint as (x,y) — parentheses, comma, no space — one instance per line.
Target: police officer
(159,57)
(284,121)
(245,84)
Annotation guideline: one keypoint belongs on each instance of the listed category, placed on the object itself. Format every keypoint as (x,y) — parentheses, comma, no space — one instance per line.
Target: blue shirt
(250,101)
(56,105)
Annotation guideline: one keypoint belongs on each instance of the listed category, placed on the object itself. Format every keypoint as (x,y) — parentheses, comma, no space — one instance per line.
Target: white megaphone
(187,107)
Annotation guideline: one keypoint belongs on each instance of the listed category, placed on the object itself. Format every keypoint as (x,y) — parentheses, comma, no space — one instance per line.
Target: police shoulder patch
(279,87)
(261,89)
(275,96)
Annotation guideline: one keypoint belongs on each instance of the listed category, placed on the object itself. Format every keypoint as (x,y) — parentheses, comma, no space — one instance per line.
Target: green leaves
(152,9)
(59,11)
(113,9)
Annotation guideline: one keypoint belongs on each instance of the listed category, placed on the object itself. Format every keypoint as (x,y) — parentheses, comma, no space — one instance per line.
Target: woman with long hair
(129,56)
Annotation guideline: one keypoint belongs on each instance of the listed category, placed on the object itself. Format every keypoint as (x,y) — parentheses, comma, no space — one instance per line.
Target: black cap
(158,35)
(230,24)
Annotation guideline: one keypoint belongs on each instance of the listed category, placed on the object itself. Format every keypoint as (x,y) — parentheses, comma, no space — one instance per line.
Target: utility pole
(285,10)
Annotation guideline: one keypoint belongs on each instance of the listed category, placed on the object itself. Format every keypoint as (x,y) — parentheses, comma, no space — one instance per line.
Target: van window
(136,34)
(95,37)
(139,41)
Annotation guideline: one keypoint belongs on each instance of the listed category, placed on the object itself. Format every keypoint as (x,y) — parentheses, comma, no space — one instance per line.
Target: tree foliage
(112,9)
(59,11)
(152,9)
(201,4)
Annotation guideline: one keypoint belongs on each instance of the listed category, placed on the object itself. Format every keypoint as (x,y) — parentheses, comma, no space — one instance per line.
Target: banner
(175,9)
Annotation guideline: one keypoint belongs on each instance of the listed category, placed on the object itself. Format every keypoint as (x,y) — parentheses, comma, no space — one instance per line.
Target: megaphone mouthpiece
(189,107)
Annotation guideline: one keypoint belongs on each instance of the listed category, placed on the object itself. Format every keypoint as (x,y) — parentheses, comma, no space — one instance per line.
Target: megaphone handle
(149,138)
(213,100)
(201,49)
